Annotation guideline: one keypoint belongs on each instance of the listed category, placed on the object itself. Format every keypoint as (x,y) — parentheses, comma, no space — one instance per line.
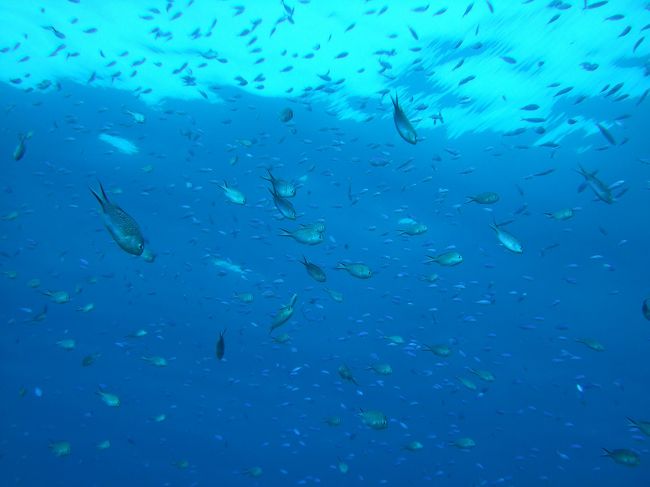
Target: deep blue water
(553,405)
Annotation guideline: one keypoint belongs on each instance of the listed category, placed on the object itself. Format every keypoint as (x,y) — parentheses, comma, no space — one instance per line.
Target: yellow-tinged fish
(284,314)
(109,399)
(346,374)
(464,443)
(67,344)
(121,226)
(467,383)
(60,448)
(232,194)
(374,419)
(508,240)
(156,361)
(643,426)
(358,270)
(443,351)
(623,456)
(591,343)
(447,259)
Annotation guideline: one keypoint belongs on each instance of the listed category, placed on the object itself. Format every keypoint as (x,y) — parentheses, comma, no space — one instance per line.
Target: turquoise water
(110,370)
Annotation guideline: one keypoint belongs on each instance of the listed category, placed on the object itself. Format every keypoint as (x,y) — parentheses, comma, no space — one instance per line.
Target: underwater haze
(310,242)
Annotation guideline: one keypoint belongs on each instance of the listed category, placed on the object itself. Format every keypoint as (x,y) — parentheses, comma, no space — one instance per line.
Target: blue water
(257,417)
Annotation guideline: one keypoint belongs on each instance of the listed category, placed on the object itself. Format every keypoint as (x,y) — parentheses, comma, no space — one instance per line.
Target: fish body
(643,426)
(137,117)
(232,194)
(381,369)
(442,351)
(591,343)
(156,361)
(221,346)
(358,270)
(60,448)
(286,115)
(507,239)
(335,295)
(414,446)
(282,187)
(21,148)
(645,309)
(623,456)
(464,443)
(402,123)
(283,205)
(109,399)
(121,226)
(561,215)
(448,259)
(284,314)
(346,374)
(600,189)
(374,419)
(487,198)
(484,375)
(314,271)
(306,235)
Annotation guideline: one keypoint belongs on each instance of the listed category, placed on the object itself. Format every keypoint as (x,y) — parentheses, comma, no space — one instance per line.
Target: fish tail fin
(607,452)
(632,422)
(99,199)
(470,199)
(340,265)
(285,233)
(101,187)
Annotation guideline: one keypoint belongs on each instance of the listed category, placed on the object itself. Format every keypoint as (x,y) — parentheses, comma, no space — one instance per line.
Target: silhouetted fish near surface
(221,346)
(122,227)
(402,124)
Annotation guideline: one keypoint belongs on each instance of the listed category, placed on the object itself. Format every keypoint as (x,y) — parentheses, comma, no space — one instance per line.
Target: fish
(306,235)
(358,270)
(606,133)
(623,456)
(508,240)
(600,189)
(232,194)
(486,198)
(283,205)
(314,271)
(402,123)
(21,148)
(120,225)
(282,187)
(448,259)
(284,314)
(220,349)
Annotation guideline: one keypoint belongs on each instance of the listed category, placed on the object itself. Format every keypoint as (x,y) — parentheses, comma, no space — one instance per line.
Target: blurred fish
(21,148)
(402,123)
(221,346)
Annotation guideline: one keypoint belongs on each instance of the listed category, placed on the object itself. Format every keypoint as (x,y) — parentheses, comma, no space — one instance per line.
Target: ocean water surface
(260,243)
